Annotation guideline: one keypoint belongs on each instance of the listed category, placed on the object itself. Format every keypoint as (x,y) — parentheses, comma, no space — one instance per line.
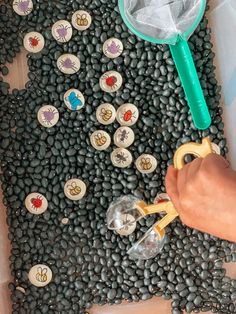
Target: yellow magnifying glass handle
(198,150)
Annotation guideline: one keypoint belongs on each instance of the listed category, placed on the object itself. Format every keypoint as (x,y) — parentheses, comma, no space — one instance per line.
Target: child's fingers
(215,161)
(171,185)
(187,174)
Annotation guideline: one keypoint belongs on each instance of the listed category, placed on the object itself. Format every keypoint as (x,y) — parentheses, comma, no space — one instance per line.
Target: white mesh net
(162,19)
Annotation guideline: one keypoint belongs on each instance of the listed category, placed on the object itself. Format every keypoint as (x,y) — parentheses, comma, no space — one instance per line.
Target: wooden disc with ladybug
(111,81)
(36,203)
(127,114)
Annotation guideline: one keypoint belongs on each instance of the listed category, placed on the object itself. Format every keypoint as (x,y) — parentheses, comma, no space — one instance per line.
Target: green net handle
(188,75)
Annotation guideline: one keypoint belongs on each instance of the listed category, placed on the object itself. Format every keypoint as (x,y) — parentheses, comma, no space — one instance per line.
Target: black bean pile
(88,261)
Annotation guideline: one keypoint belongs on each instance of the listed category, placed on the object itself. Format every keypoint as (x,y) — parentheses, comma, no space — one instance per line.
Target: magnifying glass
(172,22)
(124,213)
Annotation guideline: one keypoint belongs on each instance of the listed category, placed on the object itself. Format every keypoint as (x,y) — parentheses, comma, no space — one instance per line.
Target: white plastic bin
(223,23)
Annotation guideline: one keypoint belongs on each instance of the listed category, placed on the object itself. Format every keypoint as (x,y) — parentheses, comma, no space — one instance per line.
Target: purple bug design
(49,115)
(23,6)
(62,32)
(113,48)
(68,64)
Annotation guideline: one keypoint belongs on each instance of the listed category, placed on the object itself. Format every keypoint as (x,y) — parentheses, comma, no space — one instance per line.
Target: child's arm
(204,194)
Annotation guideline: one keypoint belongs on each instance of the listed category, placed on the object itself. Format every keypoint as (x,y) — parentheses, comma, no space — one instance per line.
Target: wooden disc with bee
(106,114)
(146,163)
(81,20)
(75,189)
(100,140)
(40,275)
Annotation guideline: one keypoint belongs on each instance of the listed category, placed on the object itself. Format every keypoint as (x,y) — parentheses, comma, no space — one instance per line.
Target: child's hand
(204,194)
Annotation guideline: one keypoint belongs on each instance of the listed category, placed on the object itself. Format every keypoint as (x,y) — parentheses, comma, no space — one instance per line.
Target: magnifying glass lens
(123,212)
(148,246)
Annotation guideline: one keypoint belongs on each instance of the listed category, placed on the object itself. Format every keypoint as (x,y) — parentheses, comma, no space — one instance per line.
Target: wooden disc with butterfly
(74,99)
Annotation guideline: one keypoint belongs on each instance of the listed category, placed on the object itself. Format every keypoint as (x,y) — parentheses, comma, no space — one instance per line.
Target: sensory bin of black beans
(89,263)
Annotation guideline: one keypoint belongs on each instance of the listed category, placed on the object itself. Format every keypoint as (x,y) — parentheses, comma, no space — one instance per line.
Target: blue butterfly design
(74,101)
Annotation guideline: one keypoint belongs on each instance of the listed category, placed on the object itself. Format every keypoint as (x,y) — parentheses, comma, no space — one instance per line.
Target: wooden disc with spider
(62,31)
(23,7)
(113,48)
(48,116)
(68,63)
(34,42)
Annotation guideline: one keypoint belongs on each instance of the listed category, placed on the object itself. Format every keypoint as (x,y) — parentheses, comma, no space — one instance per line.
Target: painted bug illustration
(111,81)
(34,41)
(74,189)
(146,164)
(68,64)
(36,202)
(128,115)
(23,6)
(106,114)
(121,158)
(49,115)
(62,32)
(113,48)
(82,20)
(123,135)
(74,101)
(41,274)
(100,139)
